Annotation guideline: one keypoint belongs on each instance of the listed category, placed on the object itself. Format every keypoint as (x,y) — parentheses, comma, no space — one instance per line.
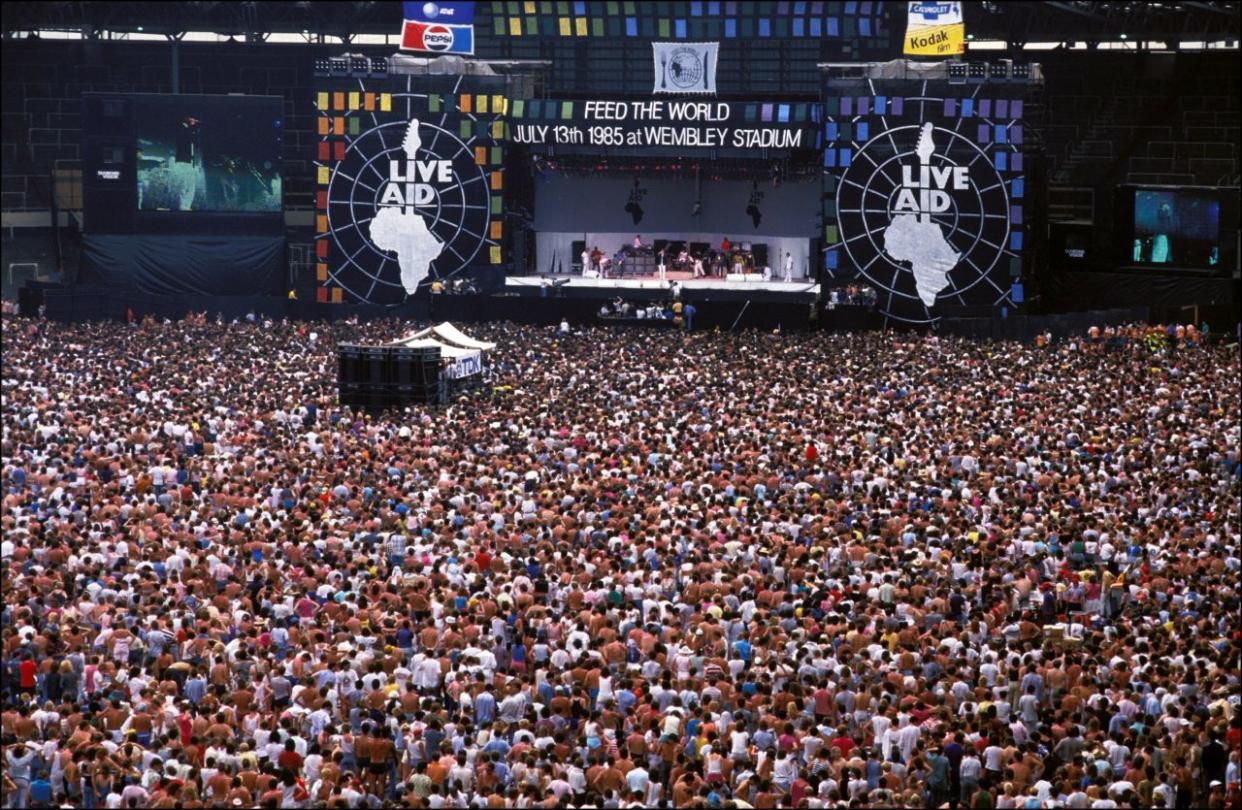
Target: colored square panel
(862,132)
(519,107)
(321,101)
(968,107)
(493,254)
(765,27)
(532,26)
(496,230)
(355,100)
(898,105)
(830,158)
(999,134)
(597,27)
(950,108)
(580,8)
(480,156)
(880,105)
(679,29)
(647,27)
(782,113)
(1001,161)
(864,27)
(832,106)
(321,272)
(564,26)
(782,27)
(481,105)
(833,27)
(614,27)
(831,259)
(338,126)
(337,295)
(497,203)
(321,248)
(1002,108)
(465,130)
(985,108)
(830,234)
(1015,134)
(338,150)
(817,27)
(665,30)
(338,101)
(498,26)
(1015,241)
(1015,162)
(847,130)
(323,175)
(831,131)
(567,110)
(696,9)
(1017,188)
(631,27)
(498,130)
(580,27)
(385,102)
(713,8)
(497,156)
(1015,214)
(528,7)
(515,26)
(321,200)
(321,224)
(731,28)
(433,102)
(497,181)
(321,295)
(984,134)
(355,126)
(847,106)
(1015,109)
(844,158)
(864,106)
(465,103)
(765,113)
(368,102)
(613,8)
(799,27)
(322,154)
(324,125)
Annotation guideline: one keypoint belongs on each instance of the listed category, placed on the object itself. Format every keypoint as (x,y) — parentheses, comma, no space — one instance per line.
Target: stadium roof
(1016,23)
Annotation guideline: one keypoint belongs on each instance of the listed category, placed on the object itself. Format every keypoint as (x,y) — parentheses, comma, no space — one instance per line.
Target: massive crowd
(636,569)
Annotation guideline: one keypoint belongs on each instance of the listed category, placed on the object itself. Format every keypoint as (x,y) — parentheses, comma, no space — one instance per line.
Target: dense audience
(637,568)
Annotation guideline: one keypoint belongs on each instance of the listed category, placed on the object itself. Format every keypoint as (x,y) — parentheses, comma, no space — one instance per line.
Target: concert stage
(578,286)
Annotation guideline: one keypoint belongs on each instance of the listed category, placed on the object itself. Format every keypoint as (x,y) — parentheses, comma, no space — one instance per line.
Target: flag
(934,29)
(684,67)
(445,27)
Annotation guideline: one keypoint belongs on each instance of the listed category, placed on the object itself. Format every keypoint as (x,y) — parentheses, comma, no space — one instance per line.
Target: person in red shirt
(843,742)
(290,759)
(26,675)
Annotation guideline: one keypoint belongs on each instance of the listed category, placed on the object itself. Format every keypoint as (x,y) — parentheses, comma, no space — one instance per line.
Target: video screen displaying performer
(1177,227)
(205,153)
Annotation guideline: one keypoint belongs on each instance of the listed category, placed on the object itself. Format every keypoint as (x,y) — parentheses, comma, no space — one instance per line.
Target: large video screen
(208,153)
(1176,227)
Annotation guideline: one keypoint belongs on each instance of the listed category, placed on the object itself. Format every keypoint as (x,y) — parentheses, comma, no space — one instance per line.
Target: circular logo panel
(685,70)
(407,203)
(924,217)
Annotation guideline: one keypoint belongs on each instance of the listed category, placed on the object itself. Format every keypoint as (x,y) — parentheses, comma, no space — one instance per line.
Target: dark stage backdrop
(190,265)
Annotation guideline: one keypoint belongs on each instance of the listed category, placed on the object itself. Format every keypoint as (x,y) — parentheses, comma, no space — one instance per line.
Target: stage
(693,287)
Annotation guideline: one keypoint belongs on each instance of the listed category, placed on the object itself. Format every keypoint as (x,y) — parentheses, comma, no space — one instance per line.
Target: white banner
(463,366)
(685,67)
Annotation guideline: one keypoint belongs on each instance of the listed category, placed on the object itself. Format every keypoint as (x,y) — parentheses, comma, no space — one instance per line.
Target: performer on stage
(586,261)
(725,246)
(638,241)
(661,264)
(788,266)
(698,267)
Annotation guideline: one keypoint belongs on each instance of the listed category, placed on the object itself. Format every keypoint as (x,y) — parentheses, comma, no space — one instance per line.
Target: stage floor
(516,283)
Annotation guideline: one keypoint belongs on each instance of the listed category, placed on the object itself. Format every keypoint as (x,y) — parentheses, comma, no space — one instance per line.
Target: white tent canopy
(446,333)
(446,351)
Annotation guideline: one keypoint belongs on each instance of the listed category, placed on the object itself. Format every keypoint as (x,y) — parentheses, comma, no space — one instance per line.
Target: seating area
(1150,118)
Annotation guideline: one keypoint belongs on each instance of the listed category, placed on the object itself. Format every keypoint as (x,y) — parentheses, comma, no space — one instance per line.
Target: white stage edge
(656,284)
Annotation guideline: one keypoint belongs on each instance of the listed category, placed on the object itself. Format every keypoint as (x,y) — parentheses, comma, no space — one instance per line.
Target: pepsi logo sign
(438,38)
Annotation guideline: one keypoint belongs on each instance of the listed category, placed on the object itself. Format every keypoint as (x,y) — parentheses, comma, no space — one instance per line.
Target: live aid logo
(409,183)
(926,193)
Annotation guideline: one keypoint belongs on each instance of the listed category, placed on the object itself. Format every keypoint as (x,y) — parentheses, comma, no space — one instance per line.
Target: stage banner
(935,29)
(924,193)
(684,67)
(445,27)
(665,123)
(410,174)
